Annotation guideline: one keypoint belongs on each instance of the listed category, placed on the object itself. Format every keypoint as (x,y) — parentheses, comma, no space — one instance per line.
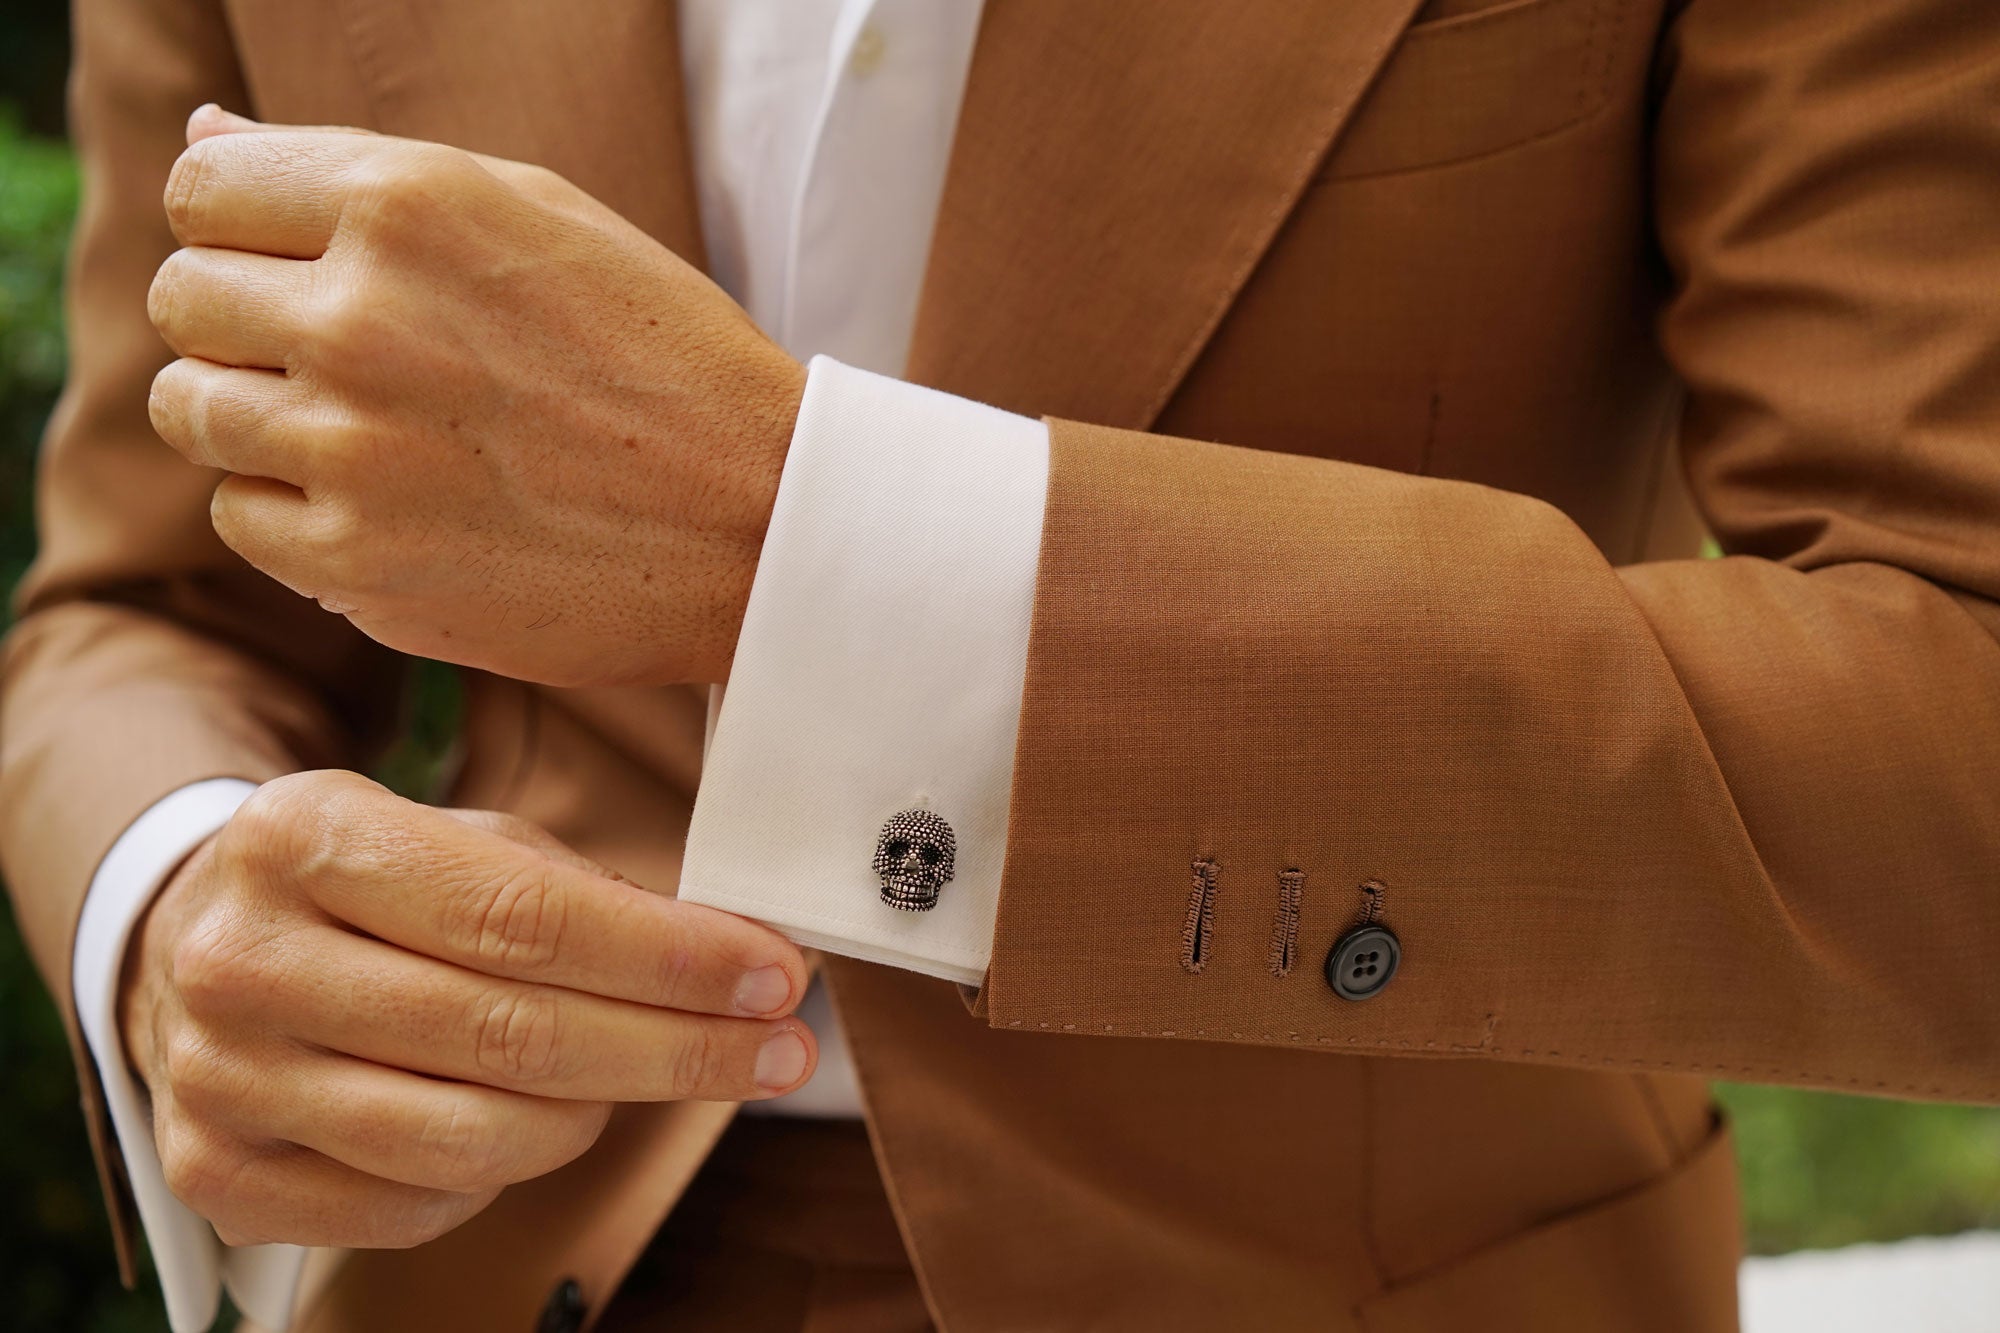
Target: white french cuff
(879,671)
(193,1264)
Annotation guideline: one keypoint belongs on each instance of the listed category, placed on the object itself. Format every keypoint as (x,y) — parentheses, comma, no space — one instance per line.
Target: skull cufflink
(914,857)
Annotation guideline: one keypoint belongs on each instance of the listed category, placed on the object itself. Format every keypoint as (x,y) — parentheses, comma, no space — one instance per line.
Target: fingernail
(781,1061)
(763,991)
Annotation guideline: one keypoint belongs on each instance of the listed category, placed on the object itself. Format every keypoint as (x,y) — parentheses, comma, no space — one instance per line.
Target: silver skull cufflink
(914,857)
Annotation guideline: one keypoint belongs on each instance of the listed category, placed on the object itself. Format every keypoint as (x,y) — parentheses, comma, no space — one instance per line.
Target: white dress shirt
(884,647)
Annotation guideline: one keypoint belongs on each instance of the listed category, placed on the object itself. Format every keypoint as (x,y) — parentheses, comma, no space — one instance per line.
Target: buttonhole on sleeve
(1285,926)
(1200,922)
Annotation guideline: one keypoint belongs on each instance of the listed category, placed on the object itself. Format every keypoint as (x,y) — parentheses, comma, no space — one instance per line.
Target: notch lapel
(1119,169)
(594,94)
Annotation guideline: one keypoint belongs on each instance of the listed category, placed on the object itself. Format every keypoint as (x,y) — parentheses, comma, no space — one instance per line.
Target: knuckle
(195,406)
(587,1123)
(518,1038)
(344,326)
(540,183)
(462,1149)
(218,966)
(698,1062)
(168,407)
(342,547)
(422,1220)
(198,1075)
(187,186)
(377,190)
(200,1168)
(302,822)
(345,446)
(265,832)
(230,524)
(163,296)
(396,193)
(522,922)
(273,807)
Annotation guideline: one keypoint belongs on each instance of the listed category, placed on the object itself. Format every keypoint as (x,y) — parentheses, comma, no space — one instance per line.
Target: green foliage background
(1818,1169)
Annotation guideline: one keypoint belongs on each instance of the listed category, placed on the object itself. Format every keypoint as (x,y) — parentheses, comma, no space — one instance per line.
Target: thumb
(210,120)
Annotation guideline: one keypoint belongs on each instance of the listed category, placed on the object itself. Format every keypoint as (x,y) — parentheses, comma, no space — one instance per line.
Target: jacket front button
(1362,961)
(563,1313)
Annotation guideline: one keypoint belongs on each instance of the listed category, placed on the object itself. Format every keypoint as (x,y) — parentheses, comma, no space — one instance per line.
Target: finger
(269,523)
(462,1137)
(276,192)
(258,1196)
(483,901)
(231,306)
(243,421)
(367,999)
(210,121)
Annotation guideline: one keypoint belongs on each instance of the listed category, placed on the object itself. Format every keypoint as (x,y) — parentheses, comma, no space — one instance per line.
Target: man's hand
(466,405)
(360,1017)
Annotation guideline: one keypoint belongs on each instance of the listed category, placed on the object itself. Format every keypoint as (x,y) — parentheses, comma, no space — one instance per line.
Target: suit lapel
(1120,167)
(593,95)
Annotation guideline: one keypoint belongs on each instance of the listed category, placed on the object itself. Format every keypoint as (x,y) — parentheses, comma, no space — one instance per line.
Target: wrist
(768,411)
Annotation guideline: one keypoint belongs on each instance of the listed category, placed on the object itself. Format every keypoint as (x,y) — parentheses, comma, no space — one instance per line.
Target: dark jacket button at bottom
(563,1312)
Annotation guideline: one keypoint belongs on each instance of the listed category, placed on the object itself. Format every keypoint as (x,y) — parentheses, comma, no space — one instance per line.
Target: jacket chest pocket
(1469,79)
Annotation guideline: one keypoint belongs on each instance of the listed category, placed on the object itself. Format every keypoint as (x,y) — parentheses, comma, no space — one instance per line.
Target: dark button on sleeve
(1362,961)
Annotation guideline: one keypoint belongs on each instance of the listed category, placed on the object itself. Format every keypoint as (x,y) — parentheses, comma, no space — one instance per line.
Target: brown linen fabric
(1475,287)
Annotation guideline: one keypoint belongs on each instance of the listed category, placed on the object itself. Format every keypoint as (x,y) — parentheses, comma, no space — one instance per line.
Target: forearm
(1613,817)
(1715,816)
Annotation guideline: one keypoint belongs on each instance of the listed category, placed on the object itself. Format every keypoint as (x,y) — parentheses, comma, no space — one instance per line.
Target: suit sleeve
(147,656)
(1737,817)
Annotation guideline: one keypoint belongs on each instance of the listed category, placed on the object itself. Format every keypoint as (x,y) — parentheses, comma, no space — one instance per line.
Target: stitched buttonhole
(1285,926)
(1373,895)
(1200,922)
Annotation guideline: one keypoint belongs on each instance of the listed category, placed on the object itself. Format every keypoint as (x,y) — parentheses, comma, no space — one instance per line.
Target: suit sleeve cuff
(879,671)
(193,1264)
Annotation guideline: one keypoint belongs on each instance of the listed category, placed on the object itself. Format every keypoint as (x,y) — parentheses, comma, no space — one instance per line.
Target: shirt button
(869,44)
(1362,961)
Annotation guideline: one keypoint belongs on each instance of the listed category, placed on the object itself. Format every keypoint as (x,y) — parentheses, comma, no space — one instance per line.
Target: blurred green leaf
(1821,1170)
(38,193)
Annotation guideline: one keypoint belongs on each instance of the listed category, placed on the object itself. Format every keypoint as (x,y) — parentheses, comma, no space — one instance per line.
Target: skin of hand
(467,406)
(359,1017)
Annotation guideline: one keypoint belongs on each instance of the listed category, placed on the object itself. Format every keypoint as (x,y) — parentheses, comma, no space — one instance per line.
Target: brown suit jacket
(1472,286)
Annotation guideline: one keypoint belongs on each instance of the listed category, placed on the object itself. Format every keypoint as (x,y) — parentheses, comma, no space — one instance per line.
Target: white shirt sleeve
(192,1263)
(879,670)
